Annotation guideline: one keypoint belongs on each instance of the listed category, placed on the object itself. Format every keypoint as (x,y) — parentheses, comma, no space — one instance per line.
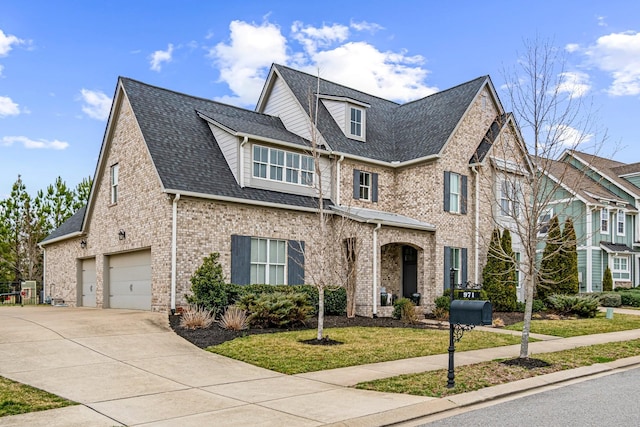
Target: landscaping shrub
(630,298)
(404,309)
(443,302)
(209,288)
(538,305)
(607,280)
(195,317)
(277,309)
(580,305)
(234,319)
(335,300)
(610,299)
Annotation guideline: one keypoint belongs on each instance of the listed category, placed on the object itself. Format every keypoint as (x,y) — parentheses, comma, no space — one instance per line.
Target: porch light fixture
(121,234)
(83,243)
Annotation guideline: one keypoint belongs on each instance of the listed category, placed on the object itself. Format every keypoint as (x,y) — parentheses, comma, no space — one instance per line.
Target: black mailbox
(466,312)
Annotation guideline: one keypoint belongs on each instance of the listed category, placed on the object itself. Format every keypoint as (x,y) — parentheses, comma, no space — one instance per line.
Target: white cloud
(566,136)
(601,21)
(366,26)
(34,144)
(619,55)
(160,56)
(245,60)
(6,42)
(572,47)
(575,83)
(97,105)
(8,107)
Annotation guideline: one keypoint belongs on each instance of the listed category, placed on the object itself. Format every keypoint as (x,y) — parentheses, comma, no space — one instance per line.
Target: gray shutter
(447,267)
(356,184)
(463,261)
(240,259)
(295,262)
(447,190)
(463,195)
(374,187)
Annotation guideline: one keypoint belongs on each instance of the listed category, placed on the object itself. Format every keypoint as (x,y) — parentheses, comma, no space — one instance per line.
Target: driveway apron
(128,368)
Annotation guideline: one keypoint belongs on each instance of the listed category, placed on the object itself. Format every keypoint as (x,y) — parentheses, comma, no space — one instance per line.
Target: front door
(409,271)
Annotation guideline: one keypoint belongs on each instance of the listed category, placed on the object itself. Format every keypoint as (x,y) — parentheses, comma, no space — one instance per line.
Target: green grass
(575,327)
(283,352)
(16,398)
(477,376)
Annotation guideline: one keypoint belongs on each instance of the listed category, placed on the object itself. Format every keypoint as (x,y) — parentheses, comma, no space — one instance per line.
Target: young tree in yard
(553,116)
(552,263)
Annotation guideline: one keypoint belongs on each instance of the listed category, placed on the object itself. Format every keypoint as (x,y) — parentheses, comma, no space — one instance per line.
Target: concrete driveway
(128,368)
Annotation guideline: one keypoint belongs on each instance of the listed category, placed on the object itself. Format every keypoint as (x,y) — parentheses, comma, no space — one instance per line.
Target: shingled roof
(70,226)
(395,132)
(184,150)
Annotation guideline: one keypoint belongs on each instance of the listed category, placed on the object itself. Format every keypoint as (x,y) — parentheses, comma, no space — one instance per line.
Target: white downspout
(375,269)
(338,175)
(589,243)
(241,165)
(476,261)
(174,240)
(44,274)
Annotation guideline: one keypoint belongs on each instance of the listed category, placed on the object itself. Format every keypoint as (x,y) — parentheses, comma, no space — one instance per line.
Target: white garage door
(89,282)
(130,280)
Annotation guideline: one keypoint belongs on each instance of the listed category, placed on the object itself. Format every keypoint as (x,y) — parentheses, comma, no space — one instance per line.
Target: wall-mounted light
(83,243)
(121,234)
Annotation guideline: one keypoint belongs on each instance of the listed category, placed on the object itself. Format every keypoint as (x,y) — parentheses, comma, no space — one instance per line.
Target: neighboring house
(179,177)
(602,197)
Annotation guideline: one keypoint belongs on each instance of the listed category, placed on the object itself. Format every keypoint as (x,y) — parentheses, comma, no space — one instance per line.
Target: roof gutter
(60,238)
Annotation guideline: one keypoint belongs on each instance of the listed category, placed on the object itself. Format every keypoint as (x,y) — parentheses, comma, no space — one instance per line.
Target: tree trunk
(320,312)
(528,309)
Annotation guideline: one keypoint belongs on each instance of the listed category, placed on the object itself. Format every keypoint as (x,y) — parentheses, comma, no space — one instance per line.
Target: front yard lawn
(487,374)
(575,327)
(16,398)
(284,352)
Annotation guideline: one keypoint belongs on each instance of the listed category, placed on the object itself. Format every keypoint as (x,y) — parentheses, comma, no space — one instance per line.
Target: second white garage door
(130,280)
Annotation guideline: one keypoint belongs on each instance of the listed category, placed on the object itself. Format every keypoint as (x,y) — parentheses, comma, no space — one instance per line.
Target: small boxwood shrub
(404,309)
(276,309)
(443,302)
(610,299)
(538,306)
(630,298)
(580,305)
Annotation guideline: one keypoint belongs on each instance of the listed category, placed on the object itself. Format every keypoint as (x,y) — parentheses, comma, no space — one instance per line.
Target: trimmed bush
(580,305)
(277,309)
(630,298)
(404,309)
(607,280)
(209,288)
(610,299)
(443,302)
(538,305)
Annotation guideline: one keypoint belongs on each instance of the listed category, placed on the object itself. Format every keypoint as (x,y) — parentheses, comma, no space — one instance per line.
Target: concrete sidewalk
(129,368)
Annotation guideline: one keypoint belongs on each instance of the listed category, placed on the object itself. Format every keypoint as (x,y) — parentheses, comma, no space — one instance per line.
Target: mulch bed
(215,335)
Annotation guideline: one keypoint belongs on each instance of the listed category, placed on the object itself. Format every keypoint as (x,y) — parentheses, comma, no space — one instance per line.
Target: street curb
(439,405)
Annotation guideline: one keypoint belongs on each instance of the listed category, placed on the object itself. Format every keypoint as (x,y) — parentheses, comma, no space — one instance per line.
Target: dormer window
(356,122)
(283,166)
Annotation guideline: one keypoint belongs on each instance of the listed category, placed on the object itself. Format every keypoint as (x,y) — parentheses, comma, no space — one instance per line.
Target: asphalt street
(606,401)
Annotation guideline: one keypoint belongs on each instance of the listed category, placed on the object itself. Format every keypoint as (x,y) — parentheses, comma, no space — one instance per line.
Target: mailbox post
(464,315)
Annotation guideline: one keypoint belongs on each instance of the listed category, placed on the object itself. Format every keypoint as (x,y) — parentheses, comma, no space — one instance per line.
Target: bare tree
(554,117)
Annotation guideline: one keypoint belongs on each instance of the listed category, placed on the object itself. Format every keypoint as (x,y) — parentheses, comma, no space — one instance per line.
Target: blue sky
(60,60)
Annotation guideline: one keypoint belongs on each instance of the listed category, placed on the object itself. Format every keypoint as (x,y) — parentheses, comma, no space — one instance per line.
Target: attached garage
(130,280)
(88,277)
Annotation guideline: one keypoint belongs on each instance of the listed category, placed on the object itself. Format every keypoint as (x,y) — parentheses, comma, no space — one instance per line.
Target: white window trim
(364,186)
(114,181)
(269,164)
(455,195)
(269,264)
(363,122)
(543,214)
(513,200)
(604,219)
(618,222)
(626,271)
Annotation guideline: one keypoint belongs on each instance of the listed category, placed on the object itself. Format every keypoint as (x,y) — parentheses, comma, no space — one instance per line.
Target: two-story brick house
(179,177)
(602,197)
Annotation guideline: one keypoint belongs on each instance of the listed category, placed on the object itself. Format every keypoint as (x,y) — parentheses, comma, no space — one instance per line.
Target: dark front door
(409,271)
